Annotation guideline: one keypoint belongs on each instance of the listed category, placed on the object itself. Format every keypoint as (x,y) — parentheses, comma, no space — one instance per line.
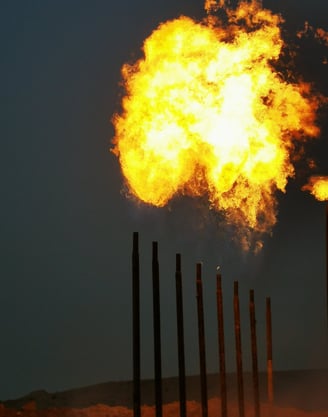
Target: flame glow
(318,187)
(320,34)
(213,5)
(205,112)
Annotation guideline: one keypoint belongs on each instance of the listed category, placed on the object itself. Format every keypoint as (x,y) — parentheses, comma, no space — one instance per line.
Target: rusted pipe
(201,340)
(157,332)
(327,259)
(255,372)
(239,362)
(223,380)
(180,335)
(136,325)
(269,350)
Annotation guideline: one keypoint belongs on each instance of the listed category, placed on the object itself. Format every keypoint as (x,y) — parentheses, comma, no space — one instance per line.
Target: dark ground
(306,389)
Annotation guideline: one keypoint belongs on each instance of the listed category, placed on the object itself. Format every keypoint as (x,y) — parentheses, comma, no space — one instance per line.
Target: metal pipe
(180,334)
(238,352)
(157,332)
(223,380)
(269,350)
(201,340)
(255,371)
(136,325)
(327,258)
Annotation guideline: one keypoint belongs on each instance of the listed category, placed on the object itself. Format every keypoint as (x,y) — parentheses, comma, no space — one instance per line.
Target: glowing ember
(205,112)
(318,187)
(320,34)
(213,5)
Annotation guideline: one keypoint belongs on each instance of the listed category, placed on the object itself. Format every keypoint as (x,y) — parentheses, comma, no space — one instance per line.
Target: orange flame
(318,187)
(213,5)
(205,112)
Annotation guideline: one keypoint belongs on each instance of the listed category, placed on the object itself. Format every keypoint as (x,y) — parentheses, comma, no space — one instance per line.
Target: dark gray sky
(66,229)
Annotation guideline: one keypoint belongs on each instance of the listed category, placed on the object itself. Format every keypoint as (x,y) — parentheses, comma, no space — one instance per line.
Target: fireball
(318,187)
(205,112)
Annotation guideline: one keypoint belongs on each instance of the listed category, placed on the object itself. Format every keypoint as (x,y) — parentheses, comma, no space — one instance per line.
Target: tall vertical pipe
(238,352)
(136,325)
(201,340)
(327,258)
(255,371)
(223,380)
(269,350)
(157,331)
(180,331)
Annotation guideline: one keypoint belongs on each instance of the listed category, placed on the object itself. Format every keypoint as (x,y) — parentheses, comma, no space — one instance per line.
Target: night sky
(66,228)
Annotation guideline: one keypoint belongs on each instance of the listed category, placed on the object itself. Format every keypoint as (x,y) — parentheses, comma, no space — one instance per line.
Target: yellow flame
(318,187)
(205,112)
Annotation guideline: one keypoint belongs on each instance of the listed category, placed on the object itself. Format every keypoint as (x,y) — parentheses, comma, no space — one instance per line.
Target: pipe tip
(135,240)
(178,262)
(199,270)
